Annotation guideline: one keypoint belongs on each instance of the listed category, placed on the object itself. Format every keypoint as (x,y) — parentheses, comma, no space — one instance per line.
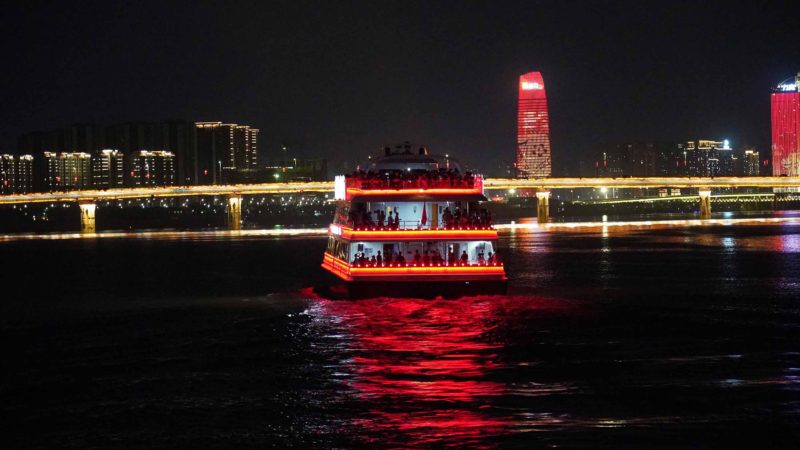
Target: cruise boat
(412,225)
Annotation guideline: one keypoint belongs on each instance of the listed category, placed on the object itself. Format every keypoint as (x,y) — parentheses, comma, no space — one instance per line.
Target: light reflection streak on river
(427,361)
(526,225)
(429,370)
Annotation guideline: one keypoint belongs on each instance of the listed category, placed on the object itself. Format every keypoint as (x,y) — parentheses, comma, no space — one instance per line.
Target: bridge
(542,186)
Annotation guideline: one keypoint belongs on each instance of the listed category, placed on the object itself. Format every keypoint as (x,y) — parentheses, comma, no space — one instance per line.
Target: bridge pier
(234,212)
(87,217)
(705,203)
(542,206)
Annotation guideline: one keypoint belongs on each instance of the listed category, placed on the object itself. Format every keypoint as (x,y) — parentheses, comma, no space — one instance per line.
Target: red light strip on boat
(410,235)
(356,192)
(346,272)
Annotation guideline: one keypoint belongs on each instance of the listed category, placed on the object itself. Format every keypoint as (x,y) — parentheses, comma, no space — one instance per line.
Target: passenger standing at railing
(396,219)
(451,257)
(447,218)
(464,257)
(373,261)
(351,218)
(379,259)
(390,224)
(468,179)
(490,260)
(381,217)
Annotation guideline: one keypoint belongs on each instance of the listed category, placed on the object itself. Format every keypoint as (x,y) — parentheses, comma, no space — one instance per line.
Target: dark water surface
(616,338)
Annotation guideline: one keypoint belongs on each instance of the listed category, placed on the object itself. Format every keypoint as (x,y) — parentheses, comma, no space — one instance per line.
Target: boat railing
(415,225)
(399,265)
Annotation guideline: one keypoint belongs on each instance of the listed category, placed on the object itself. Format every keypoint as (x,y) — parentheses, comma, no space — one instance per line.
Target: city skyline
(412,68)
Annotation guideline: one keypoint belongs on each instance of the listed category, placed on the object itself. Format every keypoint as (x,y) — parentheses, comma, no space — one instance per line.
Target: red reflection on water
(426,364)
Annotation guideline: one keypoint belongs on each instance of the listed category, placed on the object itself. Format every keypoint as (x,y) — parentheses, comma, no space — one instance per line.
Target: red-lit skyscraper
(786,128)
(533,128)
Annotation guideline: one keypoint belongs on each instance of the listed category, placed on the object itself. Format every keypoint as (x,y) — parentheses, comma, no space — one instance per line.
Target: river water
(665,336)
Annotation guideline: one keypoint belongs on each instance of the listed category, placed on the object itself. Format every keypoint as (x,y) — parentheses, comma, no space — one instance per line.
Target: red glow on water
(429,359)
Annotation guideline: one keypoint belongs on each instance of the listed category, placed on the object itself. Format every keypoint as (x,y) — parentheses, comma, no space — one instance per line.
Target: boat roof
(415,195)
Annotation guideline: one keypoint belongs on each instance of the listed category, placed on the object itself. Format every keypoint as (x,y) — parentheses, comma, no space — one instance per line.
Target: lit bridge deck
(539,184)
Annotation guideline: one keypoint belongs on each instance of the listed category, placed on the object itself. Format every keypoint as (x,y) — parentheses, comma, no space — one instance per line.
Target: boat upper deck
(411,186)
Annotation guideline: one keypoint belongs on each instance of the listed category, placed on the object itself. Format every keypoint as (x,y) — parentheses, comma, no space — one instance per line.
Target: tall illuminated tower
(786,128)
(533,128)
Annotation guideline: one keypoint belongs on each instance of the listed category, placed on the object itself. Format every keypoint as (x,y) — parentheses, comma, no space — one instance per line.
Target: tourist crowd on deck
(478,218)
(418,179)
(426,259)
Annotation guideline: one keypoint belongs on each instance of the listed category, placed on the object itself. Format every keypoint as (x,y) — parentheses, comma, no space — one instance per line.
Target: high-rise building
(669,160)
(533,128)
(225,149)
(751,164)
(8,174)
(25,174)
(205,152)
(68,171)
(785,101)
(634,159)
(706,158)
(214,144)
(180,138)
(84,138)
(108,169)
(152,168)
(244,147)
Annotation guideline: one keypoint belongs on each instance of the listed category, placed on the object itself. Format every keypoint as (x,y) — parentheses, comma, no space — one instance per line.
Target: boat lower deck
(414,273)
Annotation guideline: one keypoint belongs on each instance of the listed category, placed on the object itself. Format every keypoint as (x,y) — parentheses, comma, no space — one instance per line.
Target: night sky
(340,79)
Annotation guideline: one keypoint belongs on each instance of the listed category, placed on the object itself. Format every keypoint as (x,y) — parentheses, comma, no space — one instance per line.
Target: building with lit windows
(108,169)
(633,159)
(68,171)
(533,128)
(225,149)
(751,165)
(706,158)
(152,168)
(8,174)
(175,136)
(785,106)
(25,174)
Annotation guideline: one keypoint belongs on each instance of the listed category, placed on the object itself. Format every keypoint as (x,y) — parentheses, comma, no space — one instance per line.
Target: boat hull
(339,289)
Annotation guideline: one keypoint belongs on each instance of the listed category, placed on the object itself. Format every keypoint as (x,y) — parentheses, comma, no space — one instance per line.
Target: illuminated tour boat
(412,225)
